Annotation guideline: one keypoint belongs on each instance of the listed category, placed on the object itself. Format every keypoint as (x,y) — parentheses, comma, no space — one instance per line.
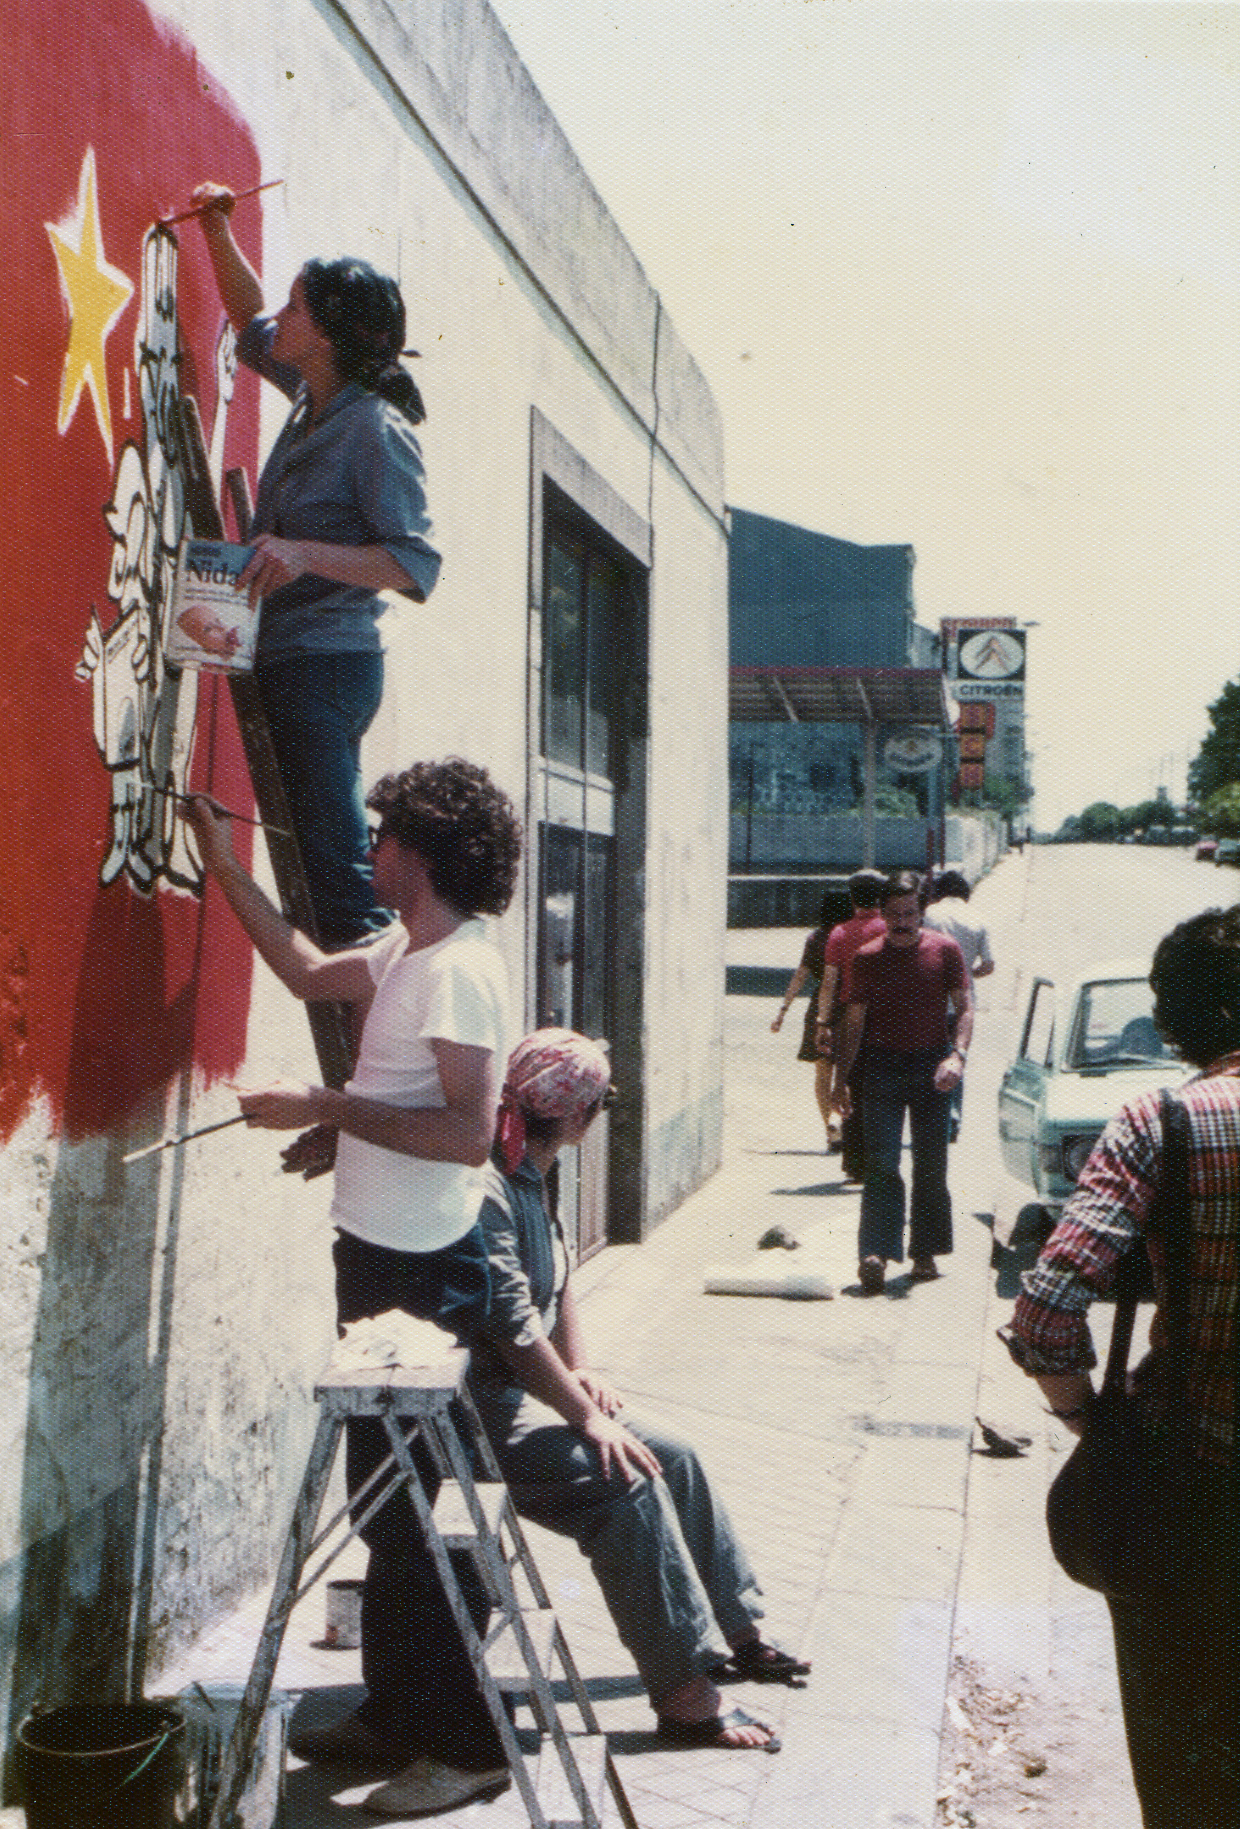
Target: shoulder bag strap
(1170,1215)
(1174,1217)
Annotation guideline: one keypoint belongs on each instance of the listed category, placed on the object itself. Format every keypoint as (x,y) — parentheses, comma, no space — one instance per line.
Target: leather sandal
(759,1661)
(711,1732)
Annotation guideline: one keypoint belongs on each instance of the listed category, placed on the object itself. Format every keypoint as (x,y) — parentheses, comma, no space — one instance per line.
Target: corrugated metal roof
(837,695)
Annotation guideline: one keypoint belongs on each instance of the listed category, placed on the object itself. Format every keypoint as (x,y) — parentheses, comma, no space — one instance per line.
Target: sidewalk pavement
(839,1433)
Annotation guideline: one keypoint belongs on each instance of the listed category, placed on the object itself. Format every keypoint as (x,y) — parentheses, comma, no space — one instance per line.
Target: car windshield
(1115,1026)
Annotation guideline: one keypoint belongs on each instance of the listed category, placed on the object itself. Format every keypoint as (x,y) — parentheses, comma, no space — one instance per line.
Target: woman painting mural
(341,517)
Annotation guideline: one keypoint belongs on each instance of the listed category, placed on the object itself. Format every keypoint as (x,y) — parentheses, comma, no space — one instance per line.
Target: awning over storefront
(868,696)
(838,695)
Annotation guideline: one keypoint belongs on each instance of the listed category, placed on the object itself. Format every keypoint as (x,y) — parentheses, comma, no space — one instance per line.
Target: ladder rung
(504,1658)
(452,1515)
(555,1798)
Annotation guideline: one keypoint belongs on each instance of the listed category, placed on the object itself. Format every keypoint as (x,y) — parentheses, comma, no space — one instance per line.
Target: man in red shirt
(903,986)
(865,888)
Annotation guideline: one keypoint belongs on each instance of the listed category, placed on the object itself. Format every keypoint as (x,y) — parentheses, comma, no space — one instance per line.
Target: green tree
(1217,762)
(1003,794)
(1145,814)
(1100,820)
(1221,812)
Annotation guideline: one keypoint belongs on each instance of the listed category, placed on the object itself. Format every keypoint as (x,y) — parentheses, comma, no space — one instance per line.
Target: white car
(1081,1056)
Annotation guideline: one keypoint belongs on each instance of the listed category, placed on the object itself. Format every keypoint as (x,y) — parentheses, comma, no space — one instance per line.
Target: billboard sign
(991,654)
(966,691)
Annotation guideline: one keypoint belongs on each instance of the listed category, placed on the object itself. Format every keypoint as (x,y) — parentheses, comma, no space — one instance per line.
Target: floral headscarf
(553,1073)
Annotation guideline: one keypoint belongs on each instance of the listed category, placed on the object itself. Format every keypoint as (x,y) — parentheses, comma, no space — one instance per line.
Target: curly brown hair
(464,827)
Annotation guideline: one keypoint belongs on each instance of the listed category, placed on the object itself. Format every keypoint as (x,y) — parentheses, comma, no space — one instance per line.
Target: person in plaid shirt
(1178,1663)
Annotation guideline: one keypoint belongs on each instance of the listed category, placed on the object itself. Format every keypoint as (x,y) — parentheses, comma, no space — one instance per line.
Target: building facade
(164,1322)
(800,600)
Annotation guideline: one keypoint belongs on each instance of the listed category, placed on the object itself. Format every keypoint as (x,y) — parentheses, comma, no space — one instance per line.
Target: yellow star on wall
(96,293)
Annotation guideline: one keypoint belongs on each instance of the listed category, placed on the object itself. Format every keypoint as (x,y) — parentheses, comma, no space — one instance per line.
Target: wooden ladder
(328,1023)
(524,1641)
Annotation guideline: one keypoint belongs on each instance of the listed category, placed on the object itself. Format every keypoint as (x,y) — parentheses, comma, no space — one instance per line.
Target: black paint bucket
(117,1767)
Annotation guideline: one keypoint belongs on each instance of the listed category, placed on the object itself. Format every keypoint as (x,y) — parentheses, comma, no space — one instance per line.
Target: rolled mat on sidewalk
(795,1285)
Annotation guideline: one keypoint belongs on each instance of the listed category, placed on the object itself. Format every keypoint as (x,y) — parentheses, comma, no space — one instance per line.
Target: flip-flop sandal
(759,1661)
(711,1732)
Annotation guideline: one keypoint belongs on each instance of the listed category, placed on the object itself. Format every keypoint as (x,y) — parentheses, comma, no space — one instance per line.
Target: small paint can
(344,1615)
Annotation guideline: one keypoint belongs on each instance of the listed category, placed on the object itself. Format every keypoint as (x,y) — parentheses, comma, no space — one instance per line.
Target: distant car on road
(1081,1056)
(1227,851)
(1206,847)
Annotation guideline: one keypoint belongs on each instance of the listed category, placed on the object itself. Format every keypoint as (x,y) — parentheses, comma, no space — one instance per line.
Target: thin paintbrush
(227,813)
(200,209)
(188,1137)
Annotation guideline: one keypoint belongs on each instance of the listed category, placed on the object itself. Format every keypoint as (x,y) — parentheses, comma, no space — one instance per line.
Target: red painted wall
(109,981)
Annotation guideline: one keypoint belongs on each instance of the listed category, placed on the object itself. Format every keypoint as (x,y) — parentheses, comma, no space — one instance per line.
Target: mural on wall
(102,940)
(144,713)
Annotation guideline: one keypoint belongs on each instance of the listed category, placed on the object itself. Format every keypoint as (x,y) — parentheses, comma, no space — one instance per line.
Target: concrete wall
(777,894)
(163,1324)
(974,842)
(788,842)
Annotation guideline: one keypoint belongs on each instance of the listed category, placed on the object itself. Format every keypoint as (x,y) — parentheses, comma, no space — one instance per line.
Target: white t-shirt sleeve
(465,1004)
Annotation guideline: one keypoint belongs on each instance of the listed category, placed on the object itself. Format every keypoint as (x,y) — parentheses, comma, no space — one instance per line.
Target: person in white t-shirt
(948,914)
(415,1127)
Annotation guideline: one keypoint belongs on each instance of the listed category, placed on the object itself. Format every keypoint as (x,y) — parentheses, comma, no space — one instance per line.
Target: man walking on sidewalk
(948,913)
(844,942)
(902,988)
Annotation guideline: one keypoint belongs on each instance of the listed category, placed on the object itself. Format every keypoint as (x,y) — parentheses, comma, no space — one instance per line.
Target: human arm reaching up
(241,292)
(302,967)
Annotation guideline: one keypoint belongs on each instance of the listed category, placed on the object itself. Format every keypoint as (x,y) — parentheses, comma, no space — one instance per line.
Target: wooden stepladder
(327,1020)
(523,1643)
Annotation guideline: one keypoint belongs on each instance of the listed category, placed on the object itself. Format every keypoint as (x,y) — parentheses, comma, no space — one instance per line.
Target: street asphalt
(841,1436)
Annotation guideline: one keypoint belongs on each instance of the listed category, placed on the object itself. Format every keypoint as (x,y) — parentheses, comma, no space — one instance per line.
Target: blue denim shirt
(529,1268)
(355,478)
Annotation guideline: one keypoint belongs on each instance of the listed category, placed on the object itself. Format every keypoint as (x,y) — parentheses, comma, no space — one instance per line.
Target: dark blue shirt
(355,478)
(529,1268)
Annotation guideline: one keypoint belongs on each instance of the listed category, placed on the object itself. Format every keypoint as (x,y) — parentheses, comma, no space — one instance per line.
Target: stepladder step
(453,1518)
(555,1795)
(504,1655)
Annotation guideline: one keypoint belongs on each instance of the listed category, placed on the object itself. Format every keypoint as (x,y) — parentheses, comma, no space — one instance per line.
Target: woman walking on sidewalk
(816,1045)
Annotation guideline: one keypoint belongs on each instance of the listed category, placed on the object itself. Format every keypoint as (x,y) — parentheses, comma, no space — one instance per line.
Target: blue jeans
(675,1578)
(894,1084)
(422,1692)
(318,708)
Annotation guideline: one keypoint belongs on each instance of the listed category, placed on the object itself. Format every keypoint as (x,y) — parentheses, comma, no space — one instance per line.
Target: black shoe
(348,1742)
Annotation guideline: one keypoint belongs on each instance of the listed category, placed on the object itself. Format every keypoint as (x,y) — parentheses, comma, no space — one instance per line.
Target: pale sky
(966,276)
